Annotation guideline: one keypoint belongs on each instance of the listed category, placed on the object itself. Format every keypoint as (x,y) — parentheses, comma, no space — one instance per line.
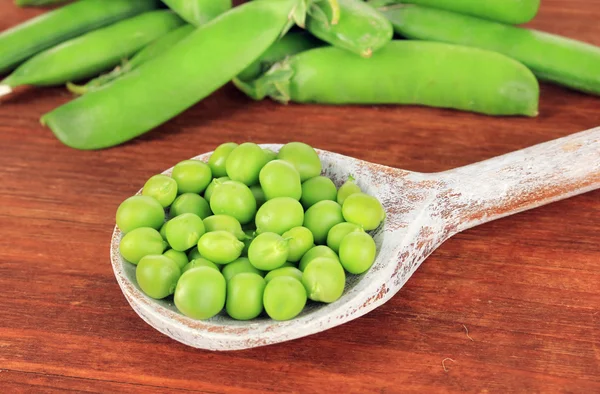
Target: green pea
(180,258)
(288,264)
(220,247)
(279,215)
(140,211)
(234,199)
(279,178)
(317,251)
(219,157)
(472,79)
(321,217)
(141,242)
(245,296)
(338,232)
(303,157)
(269,154)
(192,176)
(245,162)
(199,262)
(200,293)
(162,188)
(225,223)
(268,251)
(259,195)
(240,265)
(324,280)
(357,252)
(300,240)
(364,210)
(157,275)
(193,254)
(163,232)
(190,203)
(211,187)
(284,271)
(184,231)
(319,188)
(284,298)
(349,187)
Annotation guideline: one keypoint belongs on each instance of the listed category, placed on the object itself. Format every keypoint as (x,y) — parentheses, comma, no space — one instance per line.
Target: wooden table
(527,288)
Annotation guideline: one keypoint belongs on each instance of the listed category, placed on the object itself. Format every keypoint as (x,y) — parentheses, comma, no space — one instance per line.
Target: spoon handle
(523,180)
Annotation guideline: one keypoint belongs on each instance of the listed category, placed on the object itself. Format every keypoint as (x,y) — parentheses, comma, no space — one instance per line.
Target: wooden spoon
(423,210)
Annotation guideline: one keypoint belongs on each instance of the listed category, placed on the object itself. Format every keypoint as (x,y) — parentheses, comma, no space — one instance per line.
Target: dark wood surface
(527,287)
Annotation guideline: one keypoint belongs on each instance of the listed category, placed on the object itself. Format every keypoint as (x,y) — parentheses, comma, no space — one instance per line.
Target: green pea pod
(288,45)
(54,27)
(37,3)
(361,29)
(185,9)
(403,72)
(198,12)
(169,84)
(94,52)
(551,58)
(153,50)
(512,12)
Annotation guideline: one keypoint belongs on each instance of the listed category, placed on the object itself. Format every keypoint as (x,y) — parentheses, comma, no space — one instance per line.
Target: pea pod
(288,45)
(153,50)
(361,29)
(54,27)
(198,12)
(512,12)
(37,3)
(166,86)
(404,72)
(551,58)
(73,60)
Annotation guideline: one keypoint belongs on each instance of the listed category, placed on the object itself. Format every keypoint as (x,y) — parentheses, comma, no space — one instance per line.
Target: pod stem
(275,83)
(5,90)
(297,16)
(303,7)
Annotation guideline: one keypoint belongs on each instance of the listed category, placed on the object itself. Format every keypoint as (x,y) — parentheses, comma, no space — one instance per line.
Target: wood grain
(526,287)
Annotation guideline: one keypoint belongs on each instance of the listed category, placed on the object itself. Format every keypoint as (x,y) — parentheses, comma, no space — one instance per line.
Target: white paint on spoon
(5,90)
(423,210)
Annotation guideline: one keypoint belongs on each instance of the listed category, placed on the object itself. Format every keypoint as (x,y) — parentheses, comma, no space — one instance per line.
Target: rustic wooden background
(527,288)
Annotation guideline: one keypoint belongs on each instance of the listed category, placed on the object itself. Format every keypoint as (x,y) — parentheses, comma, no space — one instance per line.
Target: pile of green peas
(250,231)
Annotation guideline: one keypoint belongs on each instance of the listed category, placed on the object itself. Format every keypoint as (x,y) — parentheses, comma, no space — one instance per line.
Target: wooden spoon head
(412,229)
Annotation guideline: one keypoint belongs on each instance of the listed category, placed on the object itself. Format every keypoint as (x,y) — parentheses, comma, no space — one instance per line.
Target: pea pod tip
(45,122)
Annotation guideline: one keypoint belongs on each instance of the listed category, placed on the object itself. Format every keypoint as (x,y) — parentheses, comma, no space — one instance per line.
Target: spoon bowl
(422,211)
